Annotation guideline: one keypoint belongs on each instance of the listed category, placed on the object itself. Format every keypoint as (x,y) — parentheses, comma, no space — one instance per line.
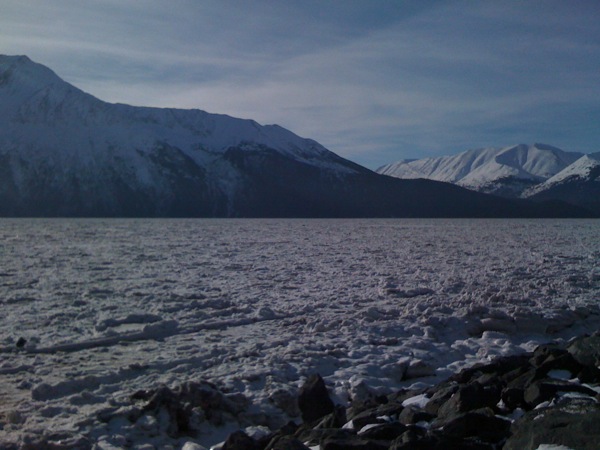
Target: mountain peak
(23,70)
(503,171)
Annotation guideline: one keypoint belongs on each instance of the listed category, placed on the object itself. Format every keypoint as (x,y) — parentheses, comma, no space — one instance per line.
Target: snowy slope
(578,184)
(53,134)
(505,170)
(35,99)
(584,169)
(64,152)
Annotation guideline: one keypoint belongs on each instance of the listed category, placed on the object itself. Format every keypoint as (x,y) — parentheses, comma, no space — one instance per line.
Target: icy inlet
(95,311)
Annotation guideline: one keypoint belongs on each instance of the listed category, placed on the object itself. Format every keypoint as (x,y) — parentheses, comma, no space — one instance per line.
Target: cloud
(373,81)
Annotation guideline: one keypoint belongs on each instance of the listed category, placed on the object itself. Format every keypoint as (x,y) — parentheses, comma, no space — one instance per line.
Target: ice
(111,307)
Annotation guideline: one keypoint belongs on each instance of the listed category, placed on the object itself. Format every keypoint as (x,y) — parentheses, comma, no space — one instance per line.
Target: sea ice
(108,308)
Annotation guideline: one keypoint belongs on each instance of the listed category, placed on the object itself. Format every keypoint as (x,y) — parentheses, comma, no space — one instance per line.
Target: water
(62,276)
(255,305)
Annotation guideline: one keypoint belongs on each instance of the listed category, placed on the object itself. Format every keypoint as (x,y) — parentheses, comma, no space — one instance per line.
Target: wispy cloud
(373,81)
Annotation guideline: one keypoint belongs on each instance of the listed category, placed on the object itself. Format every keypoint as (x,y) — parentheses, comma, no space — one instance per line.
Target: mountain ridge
(506,171)
(64,152)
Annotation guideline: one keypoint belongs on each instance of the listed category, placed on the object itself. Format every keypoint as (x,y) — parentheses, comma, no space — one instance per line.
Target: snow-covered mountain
(64,152)
(504,171)
(578,184)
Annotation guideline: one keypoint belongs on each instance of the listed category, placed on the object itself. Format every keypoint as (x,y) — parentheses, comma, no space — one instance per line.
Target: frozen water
(109,307)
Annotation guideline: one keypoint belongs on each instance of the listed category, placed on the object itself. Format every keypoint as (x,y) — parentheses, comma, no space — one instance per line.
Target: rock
(513,398)
(586,350)
(313,399)
(439,397)
(543,352)
(192,446)
(562,362)
(365,418)
(417,369)
(545,390)
(240,441)
(317,437)
(21,342)
(469,397)
(336,419)
(572,424)
(286,443)
(188,405)
(382,431)
(482,424)
(411,415)
(414,438)
(353,443)
(589,374)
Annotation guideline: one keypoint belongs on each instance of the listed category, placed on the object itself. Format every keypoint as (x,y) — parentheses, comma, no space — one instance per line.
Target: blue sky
(373,80)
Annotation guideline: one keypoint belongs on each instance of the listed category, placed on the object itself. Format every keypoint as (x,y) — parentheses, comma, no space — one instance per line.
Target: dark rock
(440,397)
(586,350)
(315,437)
(513,398)
(404,394)
(482,424)
(384,431)
(21,342)
(413,438)
(412,414)
(469,397)
(336,419)
(498,367)
(181,401)
(541,391)
(525,379)
(389,409)
(313,399)
(353,443)
(369,403)
(371,416)
(573,424)
(589,374)
(543,352)
(240,441)
(366,418)
(286,443)
(565,361)
(512,375)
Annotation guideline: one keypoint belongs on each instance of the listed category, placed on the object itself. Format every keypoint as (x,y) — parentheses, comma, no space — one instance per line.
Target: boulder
(481,424)
(545,390)
(383,431)
(586,350)
(286,443)
(572,424)
(469,397)
(240,441)
(313,399)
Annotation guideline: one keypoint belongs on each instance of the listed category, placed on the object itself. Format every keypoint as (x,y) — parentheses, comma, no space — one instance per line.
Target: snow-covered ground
(110,307)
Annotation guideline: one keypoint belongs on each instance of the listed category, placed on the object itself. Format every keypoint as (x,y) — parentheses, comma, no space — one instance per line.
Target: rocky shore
(545,399)
(541,400)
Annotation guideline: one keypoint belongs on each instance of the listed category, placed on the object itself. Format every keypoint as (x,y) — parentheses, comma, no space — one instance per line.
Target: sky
(375,81)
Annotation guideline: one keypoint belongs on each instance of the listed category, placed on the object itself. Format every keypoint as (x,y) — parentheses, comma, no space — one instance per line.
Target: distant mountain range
(66,153)
(537,172)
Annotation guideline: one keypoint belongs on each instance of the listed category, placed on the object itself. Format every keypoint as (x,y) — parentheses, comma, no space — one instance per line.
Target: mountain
(64,152)
(578,184)
(507,171)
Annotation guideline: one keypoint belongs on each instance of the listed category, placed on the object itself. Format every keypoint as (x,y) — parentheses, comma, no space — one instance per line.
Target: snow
(553,447)
(111,307)
(477,168)
(48,122)
(579,170)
